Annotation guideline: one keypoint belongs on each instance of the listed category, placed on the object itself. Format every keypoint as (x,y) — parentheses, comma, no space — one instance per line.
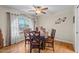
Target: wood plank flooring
(60,47)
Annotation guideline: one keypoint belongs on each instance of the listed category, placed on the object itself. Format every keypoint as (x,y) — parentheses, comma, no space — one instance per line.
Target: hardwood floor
(60,47)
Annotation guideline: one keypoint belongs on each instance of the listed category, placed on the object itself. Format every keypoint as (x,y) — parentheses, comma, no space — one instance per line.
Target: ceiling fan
(39,10)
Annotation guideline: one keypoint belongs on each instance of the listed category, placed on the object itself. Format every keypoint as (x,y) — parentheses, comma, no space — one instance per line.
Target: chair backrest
(35,36)
(1,36)
(1,39)
(37,33)
(26,34)
(53,33)
(34,41)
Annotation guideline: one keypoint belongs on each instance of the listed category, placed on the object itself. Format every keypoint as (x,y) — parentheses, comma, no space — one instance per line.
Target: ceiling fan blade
(43,12)
(31,10)
(44,8)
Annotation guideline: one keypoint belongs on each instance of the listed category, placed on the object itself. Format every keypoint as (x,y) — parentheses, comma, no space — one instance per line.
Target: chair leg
(30,50)
(25,43)
(39,50)
(53,46)
(44,44)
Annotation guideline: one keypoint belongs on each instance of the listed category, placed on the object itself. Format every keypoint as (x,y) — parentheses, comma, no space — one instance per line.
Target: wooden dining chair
(27,36)
(35,41)
(50,40)
(1,39)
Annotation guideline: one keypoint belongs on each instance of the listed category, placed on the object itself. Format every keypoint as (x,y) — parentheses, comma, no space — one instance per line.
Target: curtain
(8,37)
(16,24)
(14,28)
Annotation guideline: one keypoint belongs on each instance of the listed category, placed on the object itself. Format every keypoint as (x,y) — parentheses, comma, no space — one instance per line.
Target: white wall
(3,23)
(64,31)
(3,20)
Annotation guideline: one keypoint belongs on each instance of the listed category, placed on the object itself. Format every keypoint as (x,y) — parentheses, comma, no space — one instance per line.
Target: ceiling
(51,8)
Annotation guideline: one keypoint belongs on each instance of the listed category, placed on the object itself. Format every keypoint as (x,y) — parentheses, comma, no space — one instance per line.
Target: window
(24,23)
(18,23)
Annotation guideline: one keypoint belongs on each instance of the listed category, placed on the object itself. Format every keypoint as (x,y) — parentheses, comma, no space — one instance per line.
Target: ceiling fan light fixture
(38,12)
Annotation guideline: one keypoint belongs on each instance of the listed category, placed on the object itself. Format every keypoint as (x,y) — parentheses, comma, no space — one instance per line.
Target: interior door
(77,29)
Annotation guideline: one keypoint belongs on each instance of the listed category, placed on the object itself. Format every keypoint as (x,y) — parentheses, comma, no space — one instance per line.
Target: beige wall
(64,31)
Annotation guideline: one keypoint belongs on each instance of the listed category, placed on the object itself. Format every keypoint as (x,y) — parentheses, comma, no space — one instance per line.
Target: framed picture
(73,19)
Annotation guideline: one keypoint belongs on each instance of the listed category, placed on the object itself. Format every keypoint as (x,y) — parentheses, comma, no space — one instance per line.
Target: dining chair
(1,39)
(27,36)
(50,39)
(35,41)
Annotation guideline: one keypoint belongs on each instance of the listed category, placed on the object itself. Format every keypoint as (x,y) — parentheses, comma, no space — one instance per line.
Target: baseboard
(63,41)
(14,43)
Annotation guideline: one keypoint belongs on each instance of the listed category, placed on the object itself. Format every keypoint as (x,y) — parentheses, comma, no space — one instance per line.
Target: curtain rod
(17,14)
